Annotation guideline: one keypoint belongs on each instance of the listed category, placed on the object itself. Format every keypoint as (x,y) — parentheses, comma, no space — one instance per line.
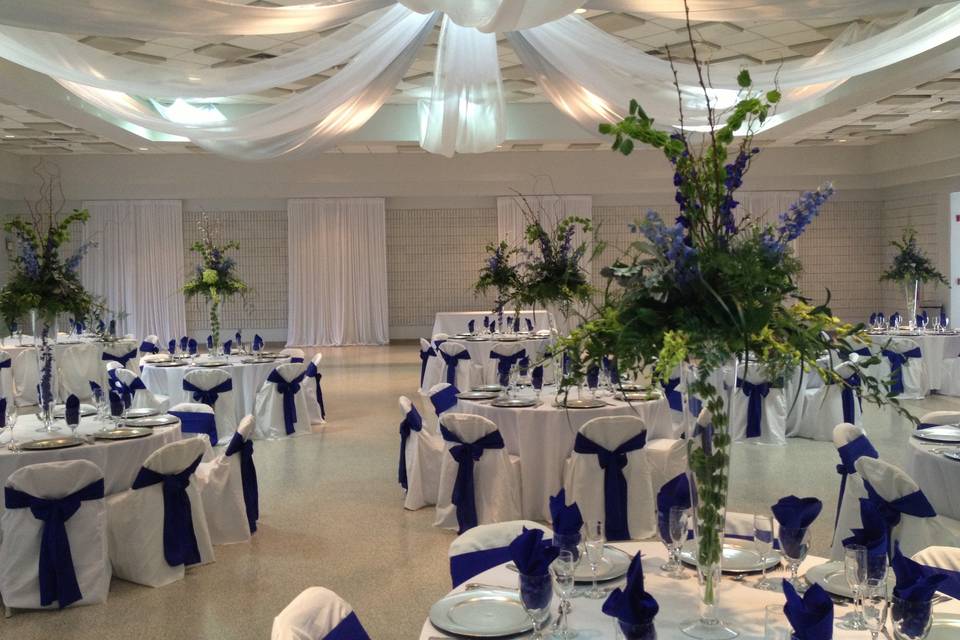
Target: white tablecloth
(935,347)
(120,460)
(480,356)
(543,438)
(454,322)
(937,475)
(741,606)
(247,378)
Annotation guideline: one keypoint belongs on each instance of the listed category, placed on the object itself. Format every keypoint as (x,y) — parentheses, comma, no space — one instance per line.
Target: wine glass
(875,604)
(564,568)
(763,543)
(672,526)
(535,595)
(11,422)
(855,570)
(594,546)
(794,544)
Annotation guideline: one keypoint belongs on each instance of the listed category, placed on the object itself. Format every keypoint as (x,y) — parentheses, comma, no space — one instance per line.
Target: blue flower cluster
(733,181)
(73,263)
(795,220)
(672,244)
(29,258)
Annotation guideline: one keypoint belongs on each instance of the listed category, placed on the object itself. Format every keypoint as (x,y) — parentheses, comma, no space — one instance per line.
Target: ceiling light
(182,112)
(842,140)
(9,136)
(143,148)
(580,10)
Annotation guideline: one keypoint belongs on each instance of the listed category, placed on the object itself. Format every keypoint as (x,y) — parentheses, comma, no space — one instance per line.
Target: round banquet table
(935,348)
(247,378)
(453,322)
(543,437)
(479,351)
(740,605)
(937,475)
(120,460)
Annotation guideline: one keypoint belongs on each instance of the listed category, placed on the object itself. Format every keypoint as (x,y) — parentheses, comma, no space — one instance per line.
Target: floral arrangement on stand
(215,278)
(910,267)
(501,274)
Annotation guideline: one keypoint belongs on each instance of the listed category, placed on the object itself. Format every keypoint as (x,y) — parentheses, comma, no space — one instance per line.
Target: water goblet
(911,618)
(875,604)
(563,569)
(763,543)
(594,546)
(794,544)
(775,623)
(535,595)
(11,422)
(855,570)
(672,527)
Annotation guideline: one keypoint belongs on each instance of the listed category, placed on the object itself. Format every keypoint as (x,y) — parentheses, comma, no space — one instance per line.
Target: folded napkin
(471,325)
(915,586)
(113,327)
(192,346)
(209,342)
(810,616)
(873,534)
(593,376)
(257,342)
(873,318)
(101,326)
(116,404)
(72,410)
(529,324)
(237,337)
(531,554)
(796,513)
(228,347)
(486,322)
(567,519)
(184,341)
(536,377)
(632,605)
(675,493)
(3,412)
(96,390)
(943,319)
(172,346)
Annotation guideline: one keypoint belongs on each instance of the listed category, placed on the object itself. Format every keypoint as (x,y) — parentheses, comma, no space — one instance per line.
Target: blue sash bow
(424,358)
(913,504)
(348,629)
(674,397)
(58,577)
(755,393)
(614,482)
(148,347)
(248,477)
(6,363)
(466,453)
(897,360)
(505,363)
(848,398)
(411,422)
(208,396)
(129,391)
(466,565)
(123,359)
(197,422)
(451,362)
(289,392)
(179,538)
(849,454)
(313,372)
(444,399)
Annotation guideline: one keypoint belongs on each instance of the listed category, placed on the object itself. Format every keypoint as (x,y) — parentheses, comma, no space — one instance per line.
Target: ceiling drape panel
(337,271)
(465,112)
(735,10)
(138,264)
(490,16)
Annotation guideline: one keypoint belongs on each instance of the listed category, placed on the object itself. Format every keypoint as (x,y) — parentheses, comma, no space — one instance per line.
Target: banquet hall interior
(363,318)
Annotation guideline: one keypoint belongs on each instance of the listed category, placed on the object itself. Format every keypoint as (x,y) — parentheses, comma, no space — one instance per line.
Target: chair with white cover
(158,528)
(904,366)
(140,396)
(196,419)
(945,558)
(318,614)
(54,532)
(504,358)
(420,457)
(937,418)
(479,481)
(150,345)
(313,391)
(228,486)
(758,409)
(6,378)
(214,388)
(295,355)
(457,369)
(950,376)
(281,406)
(430,365)
(26,377)
(122,351)
(443,398)
(831,404)
(78,366)
(852,444)
(486,546)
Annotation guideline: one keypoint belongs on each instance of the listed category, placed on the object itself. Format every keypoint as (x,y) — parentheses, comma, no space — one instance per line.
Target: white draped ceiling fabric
(337,271)
(138,241)
(585,72)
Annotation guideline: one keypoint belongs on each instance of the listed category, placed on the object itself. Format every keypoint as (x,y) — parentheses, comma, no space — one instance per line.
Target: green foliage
(911,264)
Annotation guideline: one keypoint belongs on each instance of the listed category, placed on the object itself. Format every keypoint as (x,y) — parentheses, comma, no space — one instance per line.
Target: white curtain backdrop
(138,263)
(337,271)
(512,220)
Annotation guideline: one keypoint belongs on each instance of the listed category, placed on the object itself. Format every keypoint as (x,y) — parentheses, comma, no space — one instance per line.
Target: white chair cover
(467,371)
(851,484)
(310,385)
(772,410)
(78,366)
(6,379)
(142,398)
(941,557)
(914,375)
(195,407)
(485,546)
(950,377)
(423,453)
(314,614)
(221,487)
(794,399)
(824,406)
(496,475)
(224,409)
(86,530)
(491,372)
(121,349)
(135,520)
(293,353)
(269,405)
(431,365)
(26,377)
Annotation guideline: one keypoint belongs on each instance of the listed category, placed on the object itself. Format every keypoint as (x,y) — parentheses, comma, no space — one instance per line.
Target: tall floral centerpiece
(500,274)
(215,278)
(910,267)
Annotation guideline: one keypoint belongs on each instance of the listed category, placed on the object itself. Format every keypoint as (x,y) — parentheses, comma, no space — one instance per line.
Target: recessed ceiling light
(842,140)
(581,10)
(9,136)
(144,149)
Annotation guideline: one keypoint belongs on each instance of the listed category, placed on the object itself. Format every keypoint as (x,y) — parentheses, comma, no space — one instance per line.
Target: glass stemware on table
(875,602)
(11,422)
(794,545)
(763,543)
(855,564)
(536,592)
(672,527)
(594,543)
(564,568)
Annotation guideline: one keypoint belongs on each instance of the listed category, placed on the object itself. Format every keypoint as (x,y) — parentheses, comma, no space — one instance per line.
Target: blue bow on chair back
(348,629)
(444,399)
(208,396)
(614,482)
(897,361)
(179,538)
(197,422)
(314,373)
(913,504)
(755,392)
(849,396)
(58,577)
(451,362)
(148,347)
(849,454)
(674,397)
(289,392)
(505,363)
(123,358)
(412,422)
(248,477)
(466,454)
(425,356)
(466,565)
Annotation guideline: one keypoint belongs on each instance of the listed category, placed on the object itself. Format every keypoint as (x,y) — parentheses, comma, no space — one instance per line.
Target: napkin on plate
(3,412)
(531,554)
(116,404)
(228,347)
(471,325)
(184,341)
(916,584)
(811,616)
(209,341)
(567,519)
(237,337)
(72,410)
(172,346)
(675,493)
(796,513)
(257,342)
(192,346)
(632,605)
(536,377)
(873,534)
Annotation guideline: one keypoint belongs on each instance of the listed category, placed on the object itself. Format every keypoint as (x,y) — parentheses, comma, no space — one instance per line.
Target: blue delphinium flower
(671,242)
(73,263)
(795,220)
(29,258)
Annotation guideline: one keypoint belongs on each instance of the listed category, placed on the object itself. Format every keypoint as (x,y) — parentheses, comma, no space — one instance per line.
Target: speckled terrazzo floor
(331,515)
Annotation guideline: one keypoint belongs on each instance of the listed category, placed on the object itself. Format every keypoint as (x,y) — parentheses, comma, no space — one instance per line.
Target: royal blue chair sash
(913,504)
(348,629)
(313,372)
(197,422)
(208,396)
(755,392)
(58,576)
(466,565)
(466,453)
(849,454)
(897,360)
(424,358)
(6,363)
(444,399)
(123,359)
(614,482)
(504,364)
(148,347)
(674,397)
(411,422)
(248,477)
(451,362)
(289,392)
(849,397)
(179,538)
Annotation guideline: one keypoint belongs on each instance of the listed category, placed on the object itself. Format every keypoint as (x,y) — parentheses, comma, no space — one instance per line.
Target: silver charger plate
(141,412)
(738,556)
(477,339)
(258,361)
(614,565)
(947,433)
(581,403)
(510,338)
(953,455)
(167,365)
(59,411)
(48,444)
(464,335)
(152,421)
(833,578)
(487,387)
(478,395)
(123,433)
(630,387)
(212,365)
(481,613)
(516,403)
(637,396)
(945,627)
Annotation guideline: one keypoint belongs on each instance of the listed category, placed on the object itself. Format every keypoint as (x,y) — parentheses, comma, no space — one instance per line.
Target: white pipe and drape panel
(513,215)
(138,264)
(337,272)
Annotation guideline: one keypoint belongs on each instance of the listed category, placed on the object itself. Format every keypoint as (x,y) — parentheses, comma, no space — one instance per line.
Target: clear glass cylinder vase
(911,292)
(44,327)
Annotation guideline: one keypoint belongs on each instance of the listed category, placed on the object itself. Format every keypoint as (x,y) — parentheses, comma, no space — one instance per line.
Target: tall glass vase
(44,328)
(215,323)
(911,291)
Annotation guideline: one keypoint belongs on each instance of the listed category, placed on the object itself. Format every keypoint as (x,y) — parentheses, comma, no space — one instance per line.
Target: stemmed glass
(676,530)
(594,546)
(564,568)
(763,543)
(875,605)
(535,595)
(794,544)
(855,563)
(11,422)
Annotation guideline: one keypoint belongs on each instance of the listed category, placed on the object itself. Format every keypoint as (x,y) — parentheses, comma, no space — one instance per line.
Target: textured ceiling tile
(616,22)
(885,117)
(904,99)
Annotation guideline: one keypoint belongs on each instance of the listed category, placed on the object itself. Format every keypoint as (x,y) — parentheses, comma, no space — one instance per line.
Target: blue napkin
(632,605)
(113,327)
(101,326)
(97,391)
(880,317)
(675,493)
(471,325)
(486,322)
(536,377)
(873,534)
(810,616)
(116,404)
(72,410)
(237,337)
(257,342)
(796,513)
(3,412)
(943,319)
(531,554)
(516,325)
(529,324)
(184,341)
(593,376)
(192,346)
(567,519)
(13,326)
(873,318)
(228,347)
(919,319)
(916,584)
(172,346)
(209,342)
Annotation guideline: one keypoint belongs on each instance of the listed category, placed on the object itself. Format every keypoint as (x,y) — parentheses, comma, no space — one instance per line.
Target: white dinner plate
(478,395)
(833,578)
(481,613)
(152,421)
(515,403)
(59,410)
(739,556)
